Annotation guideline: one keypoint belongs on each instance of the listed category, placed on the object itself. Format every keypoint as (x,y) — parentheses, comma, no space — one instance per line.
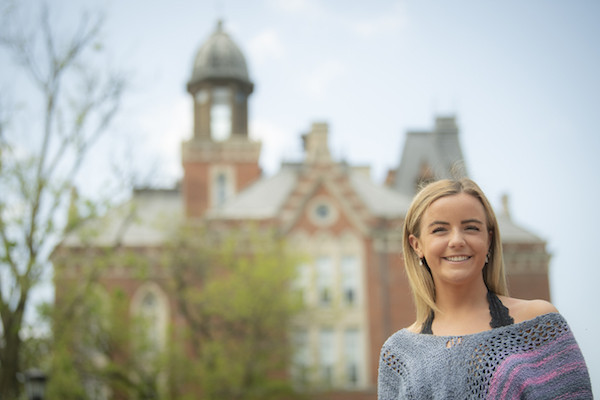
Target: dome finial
(220,25)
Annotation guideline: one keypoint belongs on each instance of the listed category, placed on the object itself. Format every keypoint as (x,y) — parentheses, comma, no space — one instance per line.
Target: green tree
(234,290)
(93,332)
(71,99)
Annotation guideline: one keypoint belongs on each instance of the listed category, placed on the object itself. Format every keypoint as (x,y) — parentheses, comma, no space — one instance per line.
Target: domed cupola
(219,58)
(220,86)
(220,159)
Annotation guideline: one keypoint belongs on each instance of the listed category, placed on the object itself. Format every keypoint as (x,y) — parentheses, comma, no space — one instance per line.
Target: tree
(71,101)
(231,308)
(93,329)
(234,291)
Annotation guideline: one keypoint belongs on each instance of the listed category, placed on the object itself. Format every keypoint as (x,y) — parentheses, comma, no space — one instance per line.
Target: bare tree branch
(38,178)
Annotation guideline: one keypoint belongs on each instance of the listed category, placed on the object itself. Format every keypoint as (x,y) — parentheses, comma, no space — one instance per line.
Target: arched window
(151,314)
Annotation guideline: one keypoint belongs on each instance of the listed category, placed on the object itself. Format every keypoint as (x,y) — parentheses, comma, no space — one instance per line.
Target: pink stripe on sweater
(520,360)
(545,378)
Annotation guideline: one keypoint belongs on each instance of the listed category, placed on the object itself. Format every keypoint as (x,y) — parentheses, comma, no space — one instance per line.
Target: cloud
(318,83)
(266,46)
(277,144)
(384,24)
(164,130)
(305,8)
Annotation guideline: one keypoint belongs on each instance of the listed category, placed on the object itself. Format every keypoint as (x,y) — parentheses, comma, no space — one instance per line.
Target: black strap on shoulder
(498,312)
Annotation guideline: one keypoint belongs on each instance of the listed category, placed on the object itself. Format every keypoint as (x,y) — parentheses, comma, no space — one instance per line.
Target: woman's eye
(472,228)
(438,229)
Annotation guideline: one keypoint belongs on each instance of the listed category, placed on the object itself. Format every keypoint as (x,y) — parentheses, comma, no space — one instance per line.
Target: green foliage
(233,288)
(98,345)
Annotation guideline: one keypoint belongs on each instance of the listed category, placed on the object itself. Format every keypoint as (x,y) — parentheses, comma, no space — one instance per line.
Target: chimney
(315,144)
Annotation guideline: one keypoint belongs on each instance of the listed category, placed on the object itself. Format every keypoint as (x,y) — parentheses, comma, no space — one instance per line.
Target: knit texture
(535,359)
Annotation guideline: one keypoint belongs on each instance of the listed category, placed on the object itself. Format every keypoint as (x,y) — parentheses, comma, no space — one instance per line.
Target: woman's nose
(456,238)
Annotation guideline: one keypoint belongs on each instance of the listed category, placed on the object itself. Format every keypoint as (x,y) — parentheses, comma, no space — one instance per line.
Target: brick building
(349,225)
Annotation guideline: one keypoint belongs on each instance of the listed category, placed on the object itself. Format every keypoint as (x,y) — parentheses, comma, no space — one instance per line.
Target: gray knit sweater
(535,359)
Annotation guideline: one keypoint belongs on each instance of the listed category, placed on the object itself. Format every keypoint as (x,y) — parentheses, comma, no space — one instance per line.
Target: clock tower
(220,159)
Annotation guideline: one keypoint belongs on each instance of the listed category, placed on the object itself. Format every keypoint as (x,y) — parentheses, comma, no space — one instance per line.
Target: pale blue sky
(521,77)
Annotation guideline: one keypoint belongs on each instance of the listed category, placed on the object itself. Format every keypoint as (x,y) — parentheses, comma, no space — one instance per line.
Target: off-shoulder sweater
(534,359)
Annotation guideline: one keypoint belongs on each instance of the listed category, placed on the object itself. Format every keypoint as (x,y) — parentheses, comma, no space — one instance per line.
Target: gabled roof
(265,198)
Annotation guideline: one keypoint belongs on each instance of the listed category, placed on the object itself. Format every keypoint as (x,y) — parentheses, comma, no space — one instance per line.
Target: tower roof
(434,154)
(219,58)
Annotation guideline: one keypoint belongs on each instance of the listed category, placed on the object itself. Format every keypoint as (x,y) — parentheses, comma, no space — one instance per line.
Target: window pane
(301,356)
(350,279)
(327,355)
(302,281)
(352,355)
(324,280)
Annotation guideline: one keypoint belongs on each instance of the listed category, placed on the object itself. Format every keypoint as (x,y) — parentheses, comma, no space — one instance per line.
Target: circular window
(322,212)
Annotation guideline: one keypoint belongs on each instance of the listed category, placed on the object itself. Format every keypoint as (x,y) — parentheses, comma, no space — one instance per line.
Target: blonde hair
(419,276)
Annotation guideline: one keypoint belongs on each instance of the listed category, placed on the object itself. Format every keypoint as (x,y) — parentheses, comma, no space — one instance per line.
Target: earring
(487,258)
(420,261)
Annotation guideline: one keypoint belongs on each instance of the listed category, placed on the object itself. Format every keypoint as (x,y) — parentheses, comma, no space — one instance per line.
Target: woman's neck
(462,310)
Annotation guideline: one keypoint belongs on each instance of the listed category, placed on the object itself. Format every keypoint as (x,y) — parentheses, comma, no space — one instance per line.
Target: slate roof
(219,58)
(438,149)
(145,220)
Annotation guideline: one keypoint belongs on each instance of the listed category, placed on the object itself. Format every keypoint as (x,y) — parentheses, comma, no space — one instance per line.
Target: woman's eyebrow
(466,221)
(472,220)
(439,223)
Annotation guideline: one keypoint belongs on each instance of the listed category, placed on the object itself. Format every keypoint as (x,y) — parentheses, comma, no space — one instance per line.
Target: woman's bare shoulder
(523,310)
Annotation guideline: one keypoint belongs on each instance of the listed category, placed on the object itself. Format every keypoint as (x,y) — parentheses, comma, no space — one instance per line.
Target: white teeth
(457,258)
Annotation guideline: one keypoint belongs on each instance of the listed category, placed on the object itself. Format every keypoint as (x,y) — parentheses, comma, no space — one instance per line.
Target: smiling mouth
(457,258)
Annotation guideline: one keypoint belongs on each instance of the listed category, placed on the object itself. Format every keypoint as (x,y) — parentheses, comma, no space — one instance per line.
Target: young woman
(470,340)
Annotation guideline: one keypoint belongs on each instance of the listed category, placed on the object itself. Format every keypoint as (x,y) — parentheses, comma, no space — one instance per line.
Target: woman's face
(454,239)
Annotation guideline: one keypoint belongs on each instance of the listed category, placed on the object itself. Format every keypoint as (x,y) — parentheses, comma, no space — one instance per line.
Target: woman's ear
(415,243)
